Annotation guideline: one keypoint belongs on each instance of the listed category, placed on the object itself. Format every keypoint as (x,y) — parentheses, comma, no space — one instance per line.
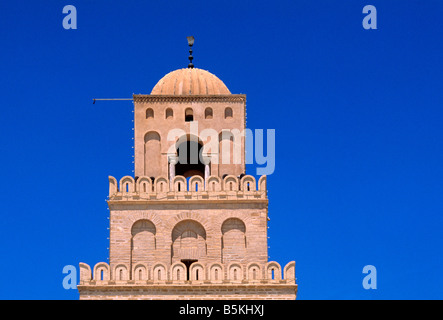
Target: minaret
(191,221)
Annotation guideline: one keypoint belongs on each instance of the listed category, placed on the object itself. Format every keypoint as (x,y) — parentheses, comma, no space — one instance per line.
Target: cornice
(144,98)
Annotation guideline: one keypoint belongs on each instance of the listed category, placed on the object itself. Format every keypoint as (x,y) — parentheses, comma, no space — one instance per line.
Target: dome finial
(190,43)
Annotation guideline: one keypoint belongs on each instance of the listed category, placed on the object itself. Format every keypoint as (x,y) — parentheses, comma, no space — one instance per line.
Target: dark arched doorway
(189,163)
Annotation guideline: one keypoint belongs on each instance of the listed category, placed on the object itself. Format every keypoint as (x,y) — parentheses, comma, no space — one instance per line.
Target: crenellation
(214,272)
(230,188)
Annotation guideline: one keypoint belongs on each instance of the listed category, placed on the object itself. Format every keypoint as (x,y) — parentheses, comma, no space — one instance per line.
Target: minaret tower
(190,223)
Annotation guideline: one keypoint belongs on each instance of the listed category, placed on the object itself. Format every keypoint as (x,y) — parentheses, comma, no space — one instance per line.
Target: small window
(208,113)
(169,113)
(189,115)
(228,113)
(149,113)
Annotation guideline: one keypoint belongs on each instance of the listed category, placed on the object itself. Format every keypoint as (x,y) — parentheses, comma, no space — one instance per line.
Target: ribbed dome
(190,81)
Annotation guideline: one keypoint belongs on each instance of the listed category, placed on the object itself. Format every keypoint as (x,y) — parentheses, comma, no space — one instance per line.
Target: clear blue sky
(358,117)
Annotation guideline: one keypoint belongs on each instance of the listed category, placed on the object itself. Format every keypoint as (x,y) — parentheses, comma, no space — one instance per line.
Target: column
(173,159)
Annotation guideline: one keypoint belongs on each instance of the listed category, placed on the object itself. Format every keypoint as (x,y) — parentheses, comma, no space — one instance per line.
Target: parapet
(176,274)
(196,188)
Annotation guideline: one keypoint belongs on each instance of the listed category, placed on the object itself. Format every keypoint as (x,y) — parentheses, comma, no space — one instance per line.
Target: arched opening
(189,115)
(208,113)
(149,113)
(189,162)
(169,113)
(228,113)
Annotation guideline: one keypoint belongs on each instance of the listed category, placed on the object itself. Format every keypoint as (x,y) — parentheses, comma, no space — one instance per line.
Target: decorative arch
(152,153)
(273,271)
(216,272)
(178,271)
(144,185)
(262,183)
(127,184)
(233,240)
(213,184)
(85,272)
(113,187)
(102,272)
(248,184)
(254,271)
(159,272)
(289,271)
(197,272)
(180,184)
(235,272)
(230,183)
(161,185)
(188,241)
(140,272)
(196,184)
(121,272)
(143,242)
(225,151)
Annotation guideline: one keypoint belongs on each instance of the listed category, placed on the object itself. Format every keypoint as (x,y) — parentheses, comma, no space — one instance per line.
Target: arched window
(189,115)
(208,113)
(149,113)
(228,113)
(169,113)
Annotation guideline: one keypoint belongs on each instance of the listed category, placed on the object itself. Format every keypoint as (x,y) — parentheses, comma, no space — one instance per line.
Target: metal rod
(93,100)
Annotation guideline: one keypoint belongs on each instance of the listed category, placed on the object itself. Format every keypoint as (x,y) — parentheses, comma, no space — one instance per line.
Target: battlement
(177,274)
(214,188)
